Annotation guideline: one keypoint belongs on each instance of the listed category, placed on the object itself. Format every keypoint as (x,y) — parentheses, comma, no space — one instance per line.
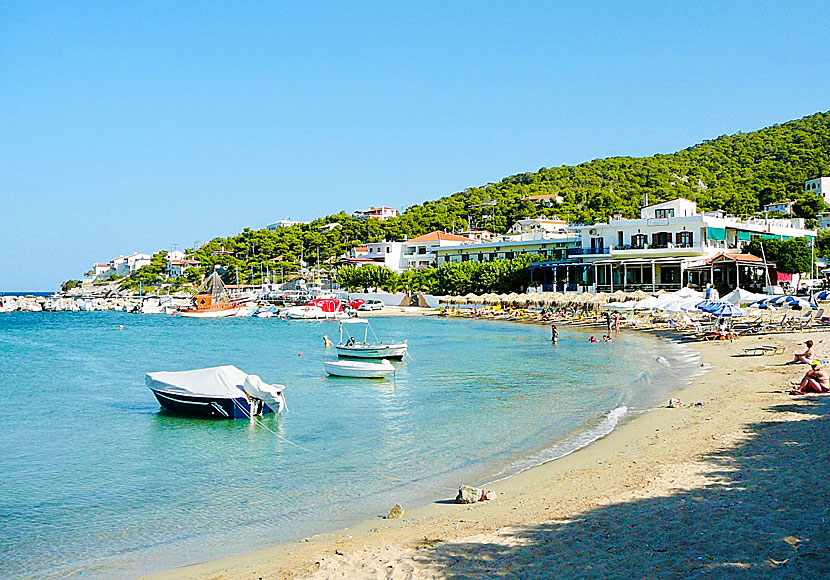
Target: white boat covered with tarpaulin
(223,392)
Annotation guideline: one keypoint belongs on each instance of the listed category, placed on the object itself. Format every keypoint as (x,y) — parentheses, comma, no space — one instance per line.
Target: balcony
(588,251)
(658,250)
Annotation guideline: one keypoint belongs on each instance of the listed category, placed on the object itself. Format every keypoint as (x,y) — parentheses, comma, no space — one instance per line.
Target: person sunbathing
(816,380)
(805,357)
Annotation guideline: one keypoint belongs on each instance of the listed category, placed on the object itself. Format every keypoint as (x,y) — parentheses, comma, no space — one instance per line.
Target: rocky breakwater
(60,303)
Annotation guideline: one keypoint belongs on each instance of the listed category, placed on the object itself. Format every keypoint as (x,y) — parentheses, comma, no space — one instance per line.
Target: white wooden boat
(359,369)
(351,348)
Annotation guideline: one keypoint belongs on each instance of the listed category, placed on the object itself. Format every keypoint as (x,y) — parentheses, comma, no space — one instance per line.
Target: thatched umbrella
(491,298)
(473,298)
(638,295)
(620,296)
(523,299)
(535,298)
(458,300)
(511,297)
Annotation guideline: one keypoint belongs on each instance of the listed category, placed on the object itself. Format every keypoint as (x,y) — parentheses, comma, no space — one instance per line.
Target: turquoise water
(96,482)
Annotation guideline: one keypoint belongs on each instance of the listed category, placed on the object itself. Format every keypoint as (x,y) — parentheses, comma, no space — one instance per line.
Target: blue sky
(134,126)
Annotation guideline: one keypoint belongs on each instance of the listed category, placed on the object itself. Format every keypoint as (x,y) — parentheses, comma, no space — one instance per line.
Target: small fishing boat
(359,369)
(212,301)
(351,348)
(224,392)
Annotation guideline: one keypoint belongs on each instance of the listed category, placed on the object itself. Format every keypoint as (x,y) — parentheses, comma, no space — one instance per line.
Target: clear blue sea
(97,482)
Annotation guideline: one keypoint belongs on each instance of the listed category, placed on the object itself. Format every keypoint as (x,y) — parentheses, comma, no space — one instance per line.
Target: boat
(359,369)
(223,392)
(353,349)
(321,308)
(212,301)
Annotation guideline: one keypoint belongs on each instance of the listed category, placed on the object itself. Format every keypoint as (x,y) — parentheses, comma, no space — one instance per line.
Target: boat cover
(271,395)
(223,382)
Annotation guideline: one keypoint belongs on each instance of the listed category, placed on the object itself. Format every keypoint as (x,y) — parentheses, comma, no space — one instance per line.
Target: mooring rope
(259,422)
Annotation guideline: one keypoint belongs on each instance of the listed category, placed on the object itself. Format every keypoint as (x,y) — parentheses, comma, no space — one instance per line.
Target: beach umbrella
(823,295)
(619,296)
(741,296)
(639,295)
(491,298)
(621,306)
(689,293)
(799,303)
(522,299)
(719,308)
(647,303)
(473,298)
(536,298)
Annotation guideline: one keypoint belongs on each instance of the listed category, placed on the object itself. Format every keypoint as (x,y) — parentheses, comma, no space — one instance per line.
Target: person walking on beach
(816,380)
(616,324)
(805,357)
(554,333)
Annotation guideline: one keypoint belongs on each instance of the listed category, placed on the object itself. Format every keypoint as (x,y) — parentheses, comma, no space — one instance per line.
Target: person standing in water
(554,333)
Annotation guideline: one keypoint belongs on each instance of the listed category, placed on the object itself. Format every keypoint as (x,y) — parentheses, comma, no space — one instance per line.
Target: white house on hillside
(420,252)
(820,186)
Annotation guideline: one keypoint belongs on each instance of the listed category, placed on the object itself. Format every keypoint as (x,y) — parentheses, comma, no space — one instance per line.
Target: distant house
(824,220)
(176,268)
(381,213)
(537,229)
(283,223)
(478,235)
(820,186)
(126,265)
(545,199)
(100,270)
(780,207)
(386,254)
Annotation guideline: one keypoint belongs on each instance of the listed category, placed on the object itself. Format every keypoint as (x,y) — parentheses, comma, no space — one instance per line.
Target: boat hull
(372,351)
(208,313)
(359,370)
(215,407)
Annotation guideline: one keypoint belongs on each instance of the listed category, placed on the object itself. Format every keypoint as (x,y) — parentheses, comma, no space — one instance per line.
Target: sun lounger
(762,350)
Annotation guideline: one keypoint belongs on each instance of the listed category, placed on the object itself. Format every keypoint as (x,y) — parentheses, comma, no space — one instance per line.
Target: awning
(716,234)
(744,236)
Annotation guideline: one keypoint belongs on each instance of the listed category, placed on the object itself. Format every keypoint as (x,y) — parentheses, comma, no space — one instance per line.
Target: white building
(820,186)
(538,229)
(381,213)
(126,265)
(284,223)
(659,250)
(824,220)
(420,252)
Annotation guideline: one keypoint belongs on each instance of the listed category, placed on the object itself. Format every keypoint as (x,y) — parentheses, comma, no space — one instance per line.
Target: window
(660,240)
(508,255)
(638,241)
(664,213)
(685,239)
(620,240)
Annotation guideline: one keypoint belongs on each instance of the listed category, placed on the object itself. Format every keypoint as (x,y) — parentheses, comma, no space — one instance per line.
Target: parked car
(371,305)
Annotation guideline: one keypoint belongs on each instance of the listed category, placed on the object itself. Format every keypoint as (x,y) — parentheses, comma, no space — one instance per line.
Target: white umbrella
(647,303)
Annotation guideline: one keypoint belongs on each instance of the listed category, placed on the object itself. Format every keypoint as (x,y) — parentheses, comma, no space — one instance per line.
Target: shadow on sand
(763,513)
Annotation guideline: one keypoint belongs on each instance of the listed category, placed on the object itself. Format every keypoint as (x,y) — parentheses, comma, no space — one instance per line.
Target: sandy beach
(730,488)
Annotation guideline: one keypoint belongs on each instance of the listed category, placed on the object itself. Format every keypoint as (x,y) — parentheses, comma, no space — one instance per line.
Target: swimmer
(327,341)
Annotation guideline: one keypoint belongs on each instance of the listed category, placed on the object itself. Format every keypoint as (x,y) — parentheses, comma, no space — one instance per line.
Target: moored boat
(351,348)
(211,301)
(224,392)
(322,308)
(359,369)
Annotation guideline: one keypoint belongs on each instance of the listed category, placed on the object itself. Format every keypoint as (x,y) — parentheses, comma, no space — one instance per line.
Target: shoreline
(654,457)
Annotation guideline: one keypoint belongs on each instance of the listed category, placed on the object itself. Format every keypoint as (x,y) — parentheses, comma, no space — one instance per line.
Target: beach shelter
(719,308)
(639,295)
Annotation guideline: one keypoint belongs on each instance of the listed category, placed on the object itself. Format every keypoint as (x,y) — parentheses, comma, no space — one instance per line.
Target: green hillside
(736,173)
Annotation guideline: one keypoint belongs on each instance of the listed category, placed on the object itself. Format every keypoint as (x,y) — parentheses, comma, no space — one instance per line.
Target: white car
(371,305)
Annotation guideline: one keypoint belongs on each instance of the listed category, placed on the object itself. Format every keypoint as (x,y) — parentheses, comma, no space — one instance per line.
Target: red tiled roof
(734,258)
(438,236)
